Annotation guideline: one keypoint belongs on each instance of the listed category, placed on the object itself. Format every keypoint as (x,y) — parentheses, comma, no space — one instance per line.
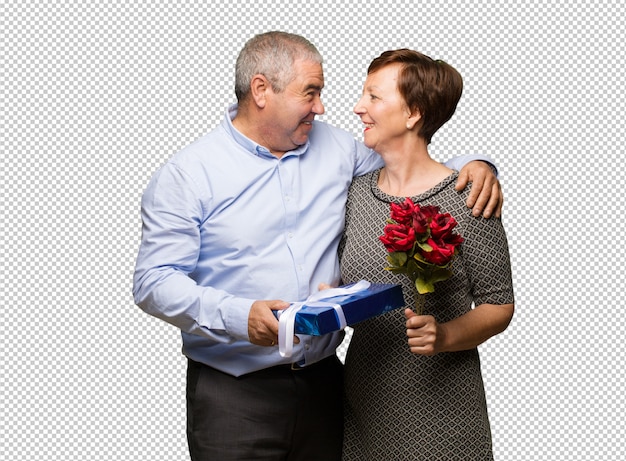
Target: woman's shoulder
(365,181)
(448,199)
(361,186)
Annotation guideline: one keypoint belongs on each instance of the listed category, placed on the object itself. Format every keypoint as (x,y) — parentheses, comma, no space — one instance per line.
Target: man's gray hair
(272,54)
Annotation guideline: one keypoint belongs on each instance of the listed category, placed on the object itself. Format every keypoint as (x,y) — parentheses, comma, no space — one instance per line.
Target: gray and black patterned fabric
(401,406)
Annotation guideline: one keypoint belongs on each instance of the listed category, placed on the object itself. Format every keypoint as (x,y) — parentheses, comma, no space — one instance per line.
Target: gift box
(325,315)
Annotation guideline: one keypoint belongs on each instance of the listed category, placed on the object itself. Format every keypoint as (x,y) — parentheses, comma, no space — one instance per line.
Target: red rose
(402,213)
(429,212)
(411,230)
(441,226)
(398,237)
(441,253)
(420,223)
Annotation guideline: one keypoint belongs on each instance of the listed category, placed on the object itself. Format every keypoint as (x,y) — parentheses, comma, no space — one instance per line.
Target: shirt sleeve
(366,160)
(172,211)
(456,163)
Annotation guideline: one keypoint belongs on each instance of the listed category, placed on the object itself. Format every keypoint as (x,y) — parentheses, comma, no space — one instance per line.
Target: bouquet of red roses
(421,243)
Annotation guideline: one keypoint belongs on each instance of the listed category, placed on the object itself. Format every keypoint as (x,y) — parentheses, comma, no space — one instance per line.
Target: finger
(274,342)
(262,323)
(493,201)
(478,184)
(427,350)
(279,305)
(420,344)
(409,313)
(416,341)
(500,202)
(415,323)
(461,181)
(482,199)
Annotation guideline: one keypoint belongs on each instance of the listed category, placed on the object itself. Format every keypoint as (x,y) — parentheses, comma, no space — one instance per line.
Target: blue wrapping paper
(376,300)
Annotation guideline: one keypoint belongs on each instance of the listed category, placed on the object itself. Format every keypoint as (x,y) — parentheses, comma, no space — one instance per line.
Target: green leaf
(397,258)
(412,267)
(425,246)
(440,274)
(424,286)
(396,270)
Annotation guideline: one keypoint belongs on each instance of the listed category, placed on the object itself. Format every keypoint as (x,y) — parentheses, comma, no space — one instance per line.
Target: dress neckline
(383,196)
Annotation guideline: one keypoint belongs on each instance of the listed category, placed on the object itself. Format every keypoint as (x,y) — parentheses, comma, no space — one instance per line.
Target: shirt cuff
(236,317)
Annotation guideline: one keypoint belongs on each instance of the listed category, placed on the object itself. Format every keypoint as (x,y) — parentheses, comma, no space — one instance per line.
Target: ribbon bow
(287,317)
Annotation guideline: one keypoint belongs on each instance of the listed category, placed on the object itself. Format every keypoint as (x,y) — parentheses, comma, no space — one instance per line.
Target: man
(236,226)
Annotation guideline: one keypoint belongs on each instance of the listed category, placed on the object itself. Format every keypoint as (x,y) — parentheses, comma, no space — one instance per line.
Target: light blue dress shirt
(226,223)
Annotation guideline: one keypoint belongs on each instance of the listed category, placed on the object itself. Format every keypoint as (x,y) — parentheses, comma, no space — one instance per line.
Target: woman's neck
(408,175)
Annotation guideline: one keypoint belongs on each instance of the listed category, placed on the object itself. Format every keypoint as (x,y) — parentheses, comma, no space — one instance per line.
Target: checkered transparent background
(96,95)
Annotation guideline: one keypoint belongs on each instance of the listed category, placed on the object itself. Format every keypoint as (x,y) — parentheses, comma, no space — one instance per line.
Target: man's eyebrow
(313,87)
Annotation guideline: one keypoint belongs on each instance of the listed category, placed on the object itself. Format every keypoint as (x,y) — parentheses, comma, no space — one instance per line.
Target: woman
(413,384)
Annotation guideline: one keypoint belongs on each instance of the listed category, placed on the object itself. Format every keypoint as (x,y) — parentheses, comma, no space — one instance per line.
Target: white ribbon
(287,317)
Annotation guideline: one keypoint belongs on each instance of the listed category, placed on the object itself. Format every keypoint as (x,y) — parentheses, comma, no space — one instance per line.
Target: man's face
(290,113)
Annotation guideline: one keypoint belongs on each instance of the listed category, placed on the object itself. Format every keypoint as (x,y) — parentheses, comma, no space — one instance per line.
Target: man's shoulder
(332,140)
(199,150)
(324,130)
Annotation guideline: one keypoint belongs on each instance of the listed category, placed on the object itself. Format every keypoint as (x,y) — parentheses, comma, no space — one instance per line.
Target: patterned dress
(401,406)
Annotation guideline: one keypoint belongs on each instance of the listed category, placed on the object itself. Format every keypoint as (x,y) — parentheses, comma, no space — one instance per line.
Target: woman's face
(383,110)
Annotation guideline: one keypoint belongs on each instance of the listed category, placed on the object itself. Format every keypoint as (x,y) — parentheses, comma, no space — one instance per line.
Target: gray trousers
(276,414)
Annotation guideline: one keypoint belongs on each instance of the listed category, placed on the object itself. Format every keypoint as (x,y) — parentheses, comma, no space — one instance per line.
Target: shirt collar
(247,143)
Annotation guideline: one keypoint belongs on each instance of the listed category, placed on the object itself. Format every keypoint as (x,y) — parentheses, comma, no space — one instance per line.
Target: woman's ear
(413,119)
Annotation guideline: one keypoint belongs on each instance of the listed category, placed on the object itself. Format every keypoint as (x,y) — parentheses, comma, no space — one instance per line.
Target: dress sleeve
(487,261)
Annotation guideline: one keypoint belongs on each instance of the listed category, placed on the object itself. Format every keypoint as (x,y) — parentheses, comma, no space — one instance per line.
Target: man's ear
(259,86)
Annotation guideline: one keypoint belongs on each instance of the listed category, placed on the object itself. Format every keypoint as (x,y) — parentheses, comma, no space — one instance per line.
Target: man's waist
(240,357)
(283,369)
